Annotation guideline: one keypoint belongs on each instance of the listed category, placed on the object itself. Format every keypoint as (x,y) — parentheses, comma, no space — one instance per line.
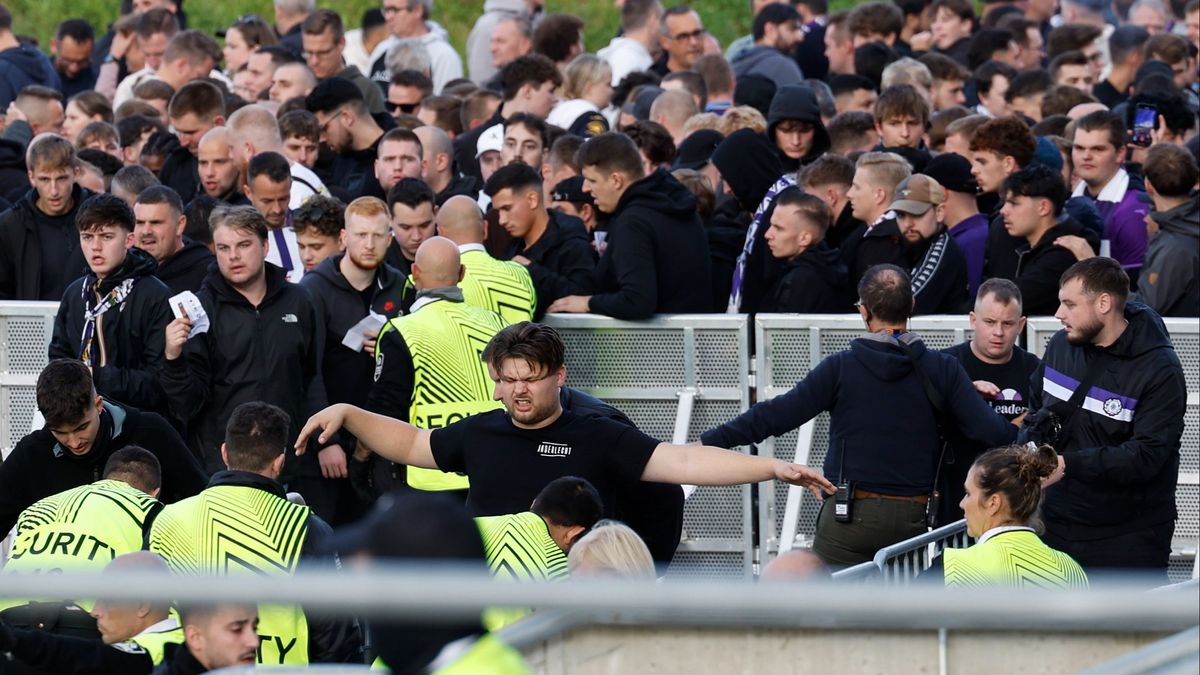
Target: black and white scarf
(93,310)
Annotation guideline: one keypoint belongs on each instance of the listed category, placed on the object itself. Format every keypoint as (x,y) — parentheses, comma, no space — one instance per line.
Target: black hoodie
(128,346)
(561,261)
(39,466)
(267,353)
(459,184)
(938,270)
(814,282)
(1040,268)
(28,238)
(13,176)
(1122,448)
(22,66)
(657,258)
(349,374)
(797,102)
(749,165)
(186,269)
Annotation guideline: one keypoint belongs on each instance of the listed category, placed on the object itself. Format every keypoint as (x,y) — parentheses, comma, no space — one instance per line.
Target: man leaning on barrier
(510,455)
(884,444)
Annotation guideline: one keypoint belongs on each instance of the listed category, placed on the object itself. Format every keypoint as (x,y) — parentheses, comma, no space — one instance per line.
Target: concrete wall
(649,650)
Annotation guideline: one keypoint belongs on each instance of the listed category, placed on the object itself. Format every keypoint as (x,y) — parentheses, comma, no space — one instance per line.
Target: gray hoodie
(770,63)
(1170,277)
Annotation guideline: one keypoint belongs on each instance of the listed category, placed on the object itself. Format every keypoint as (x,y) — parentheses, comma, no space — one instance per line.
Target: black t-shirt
(508,466)
(1012,378)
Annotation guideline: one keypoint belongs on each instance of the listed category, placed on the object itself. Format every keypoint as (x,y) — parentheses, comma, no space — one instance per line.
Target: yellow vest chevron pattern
(519,548)
(79,530)
(450,383)
(237,529)
(1017,558)
(500,286)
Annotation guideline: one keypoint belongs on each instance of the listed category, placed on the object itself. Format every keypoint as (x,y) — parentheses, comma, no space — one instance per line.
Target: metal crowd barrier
(675,377)
(902,562)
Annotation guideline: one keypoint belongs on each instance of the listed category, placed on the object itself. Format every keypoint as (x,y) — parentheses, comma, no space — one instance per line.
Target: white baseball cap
(490,140)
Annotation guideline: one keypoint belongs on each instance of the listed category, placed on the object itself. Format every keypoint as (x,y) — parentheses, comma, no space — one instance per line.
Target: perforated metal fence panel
(25,330)
(641,368)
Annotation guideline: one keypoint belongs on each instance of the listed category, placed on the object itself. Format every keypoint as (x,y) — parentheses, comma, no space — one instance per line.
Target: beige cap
(917,194)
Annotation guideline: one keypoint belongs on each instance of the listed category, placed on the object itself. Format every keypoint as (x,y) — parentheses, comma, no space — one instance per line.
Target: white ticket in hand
(370,323)
(186,304)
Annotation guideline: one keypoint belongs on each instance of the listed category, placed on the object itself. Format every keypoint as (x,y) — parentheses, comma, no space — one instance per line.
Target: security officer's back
(243,523)
(501,286)
(428,369)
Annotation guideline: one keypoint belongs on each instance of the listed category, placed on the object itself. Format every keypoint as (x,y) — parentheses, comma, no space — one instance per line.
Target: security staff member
(883,433)
(82,530)
(136,637)
(501,286)
(1003,492)
(533,545)
(427,365)
(243,521)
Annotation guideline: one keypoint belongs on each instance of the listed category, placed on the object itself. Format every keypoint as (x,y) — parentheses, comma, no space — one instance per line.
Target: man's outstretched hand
(328,421)
(804,477)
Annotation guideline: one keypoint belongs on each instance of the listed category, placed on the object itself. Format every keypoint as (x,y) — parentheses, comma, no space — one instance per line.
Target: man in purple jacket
(1098,151)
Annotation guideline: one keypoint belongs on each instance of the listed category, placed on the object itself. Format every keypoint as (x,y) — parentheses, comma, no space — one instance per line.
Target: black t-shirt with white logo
(1011,378)
(508,466)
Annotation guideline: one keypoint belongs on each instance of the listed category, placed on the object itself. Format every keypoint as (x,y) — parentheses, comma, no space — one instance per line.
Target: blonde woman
(586,91)
(611,549)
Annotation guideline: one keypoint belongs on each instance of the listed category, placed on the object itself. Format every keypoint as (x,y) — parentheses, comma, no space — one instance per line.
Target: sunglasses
(406,108)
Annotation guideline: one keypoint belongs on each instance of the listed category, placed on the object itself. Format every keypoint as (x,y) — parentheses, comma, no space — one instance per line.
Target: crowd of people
(299,276)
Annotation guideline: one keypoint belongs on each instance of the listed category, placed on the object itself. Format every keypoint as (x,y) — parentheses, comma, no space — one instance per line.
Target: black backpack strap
(1066,411)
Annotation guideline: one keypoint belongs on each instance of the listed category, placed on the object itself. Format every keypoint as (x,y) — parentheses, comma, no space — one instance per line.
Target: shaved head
(253,129)
(460,221)
(437,264)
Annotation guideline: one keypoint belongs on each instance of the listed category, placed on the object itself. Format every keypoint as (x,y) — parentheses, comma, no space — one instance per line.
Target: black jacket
(750,165)
(39,467)
(1121,451)
(23,254)
(865,248)
(128,345)
(657,255)
(181,172)
(14,179)
(267,353)
(814,282)
(466,186)
(347,374)
(185,270)
(70,655)
(561,260)
(180,663)
(896,452)
(726,232)
(1040,268)
(938,272)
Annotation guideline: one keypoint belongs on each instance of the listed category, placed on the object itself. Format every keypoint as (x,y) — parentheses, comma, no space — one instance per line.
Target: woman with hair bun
(1003,496)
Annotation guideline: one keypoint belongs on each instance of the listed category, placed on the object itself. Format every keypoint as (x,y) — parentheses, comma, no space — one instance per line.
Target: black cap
(1153,67)
(953,172)
(331,94)
(588,124)
(696,150)
(571,190)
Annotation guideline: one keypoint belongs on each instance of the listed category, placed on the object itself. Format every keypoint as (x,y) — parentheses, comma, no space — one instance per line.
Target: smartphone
(1145,120)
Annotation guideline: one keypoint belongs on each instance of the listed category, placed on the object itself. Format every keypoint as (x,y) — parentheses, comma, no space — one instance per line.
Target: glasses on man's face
(685,37)
(393,10)
(406,108)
